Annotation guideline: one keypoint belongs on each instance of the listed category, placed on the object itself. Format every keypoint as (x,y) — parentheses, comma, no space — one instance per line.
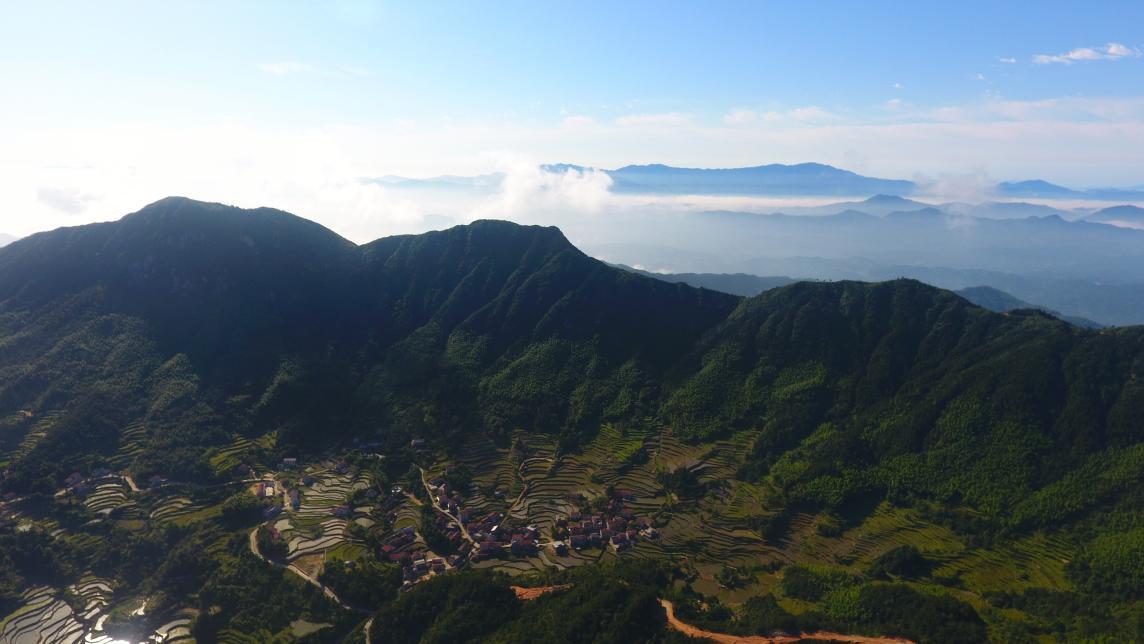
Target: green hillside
(785,444)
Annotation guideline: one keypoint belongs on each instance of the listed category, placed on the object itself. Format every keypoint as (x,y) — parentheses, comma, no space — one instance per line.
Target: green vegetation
(834,430)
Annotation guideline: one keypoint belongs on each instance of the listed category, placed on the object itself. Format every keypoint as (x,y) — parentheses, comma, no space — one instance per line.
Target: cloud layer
(1111,51)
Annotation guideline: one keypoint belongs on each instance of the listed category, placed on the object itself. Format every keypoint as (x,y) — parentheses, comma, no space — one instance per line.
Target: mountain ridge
(195,344)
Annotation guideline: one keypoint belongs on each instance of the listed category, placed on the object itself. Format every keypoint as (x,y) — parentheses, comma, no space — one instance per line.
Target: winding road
(329,592)
(724,638)
(456,520)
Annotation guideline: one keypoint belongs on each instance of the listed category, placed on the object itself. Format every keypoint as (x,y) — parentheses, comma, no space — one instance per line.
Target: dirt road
(529,594)
(301,573)
(724,638)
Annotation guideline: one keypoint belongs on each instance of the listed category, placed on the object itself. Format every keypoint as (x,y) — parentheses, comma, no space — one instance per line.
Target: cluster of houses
(445,497)
(615,527)
(493,538)
(401,548)
(271,490)
(79,484)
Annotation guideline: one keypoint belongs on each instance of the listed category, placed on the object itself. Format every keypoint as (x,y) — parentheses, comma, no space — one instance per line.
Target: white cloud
(810,113)
(739,117)
(1111,51)
(66,200)
(799,116)
(529,192)
(314,172)
(577,121)
(894,104)
(285,69)
(653,120)
(969,187)
(1007,61)
(898,86)
(293,68)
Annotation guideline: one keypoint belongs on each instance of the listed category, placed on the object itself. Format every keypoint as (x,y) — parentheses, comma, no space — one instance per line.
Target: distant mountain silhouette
(1123,216)
(734,283)
(775,179)
(1002,302)
(1038,189)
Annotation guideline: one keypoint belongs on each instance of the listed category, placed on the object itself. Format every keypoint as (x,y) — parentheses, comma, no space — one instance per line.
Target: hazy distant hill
(1004,210)
(774,179)
(877,205)
(734,283)
(1002,302)
(803,179)
(1123,216)
(1038,189)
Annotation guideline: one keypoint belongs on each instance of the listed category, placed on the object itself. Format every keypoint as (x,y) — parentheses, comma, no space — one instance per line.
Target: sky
(107,106)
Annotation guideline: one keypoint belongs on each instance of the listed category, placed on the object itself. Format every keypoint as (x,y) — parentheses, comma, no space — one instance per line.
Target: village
(438,530)
(342,513)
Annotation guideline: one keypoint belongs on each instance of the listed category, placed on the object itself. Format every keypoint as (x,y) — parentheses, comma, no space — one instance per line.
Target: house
(560,549)
(308,479)
(417,443)
(272,511)
(341,511)
(268,490)
(579,542)
(295,498)
(100,472)
(289,463)
(523,547)
(155,481)
(73,479)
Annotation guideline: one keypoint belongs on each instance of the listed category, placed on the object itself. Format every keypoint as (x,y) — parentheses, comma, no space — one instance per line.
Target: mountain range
(776,179)
(493,325)
(747,285)
(159,342)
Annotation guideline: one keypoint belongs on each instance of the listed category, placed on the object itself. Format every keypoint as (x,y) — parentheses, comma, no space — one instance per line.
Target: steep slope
(203,321)
(900,388)
(261,320)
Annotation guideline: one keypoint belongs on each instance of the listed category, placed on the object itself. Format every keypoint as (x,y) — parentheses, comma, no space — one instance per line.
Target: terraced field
(96,594)
(312,529)
(231,456)
(173,508)
(132,440)
(107,495)
(44,618)
(40,425)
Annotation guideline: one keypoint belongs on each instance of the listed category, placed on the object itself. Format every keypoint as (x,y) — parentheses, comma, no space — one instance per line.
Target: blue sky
(116,101)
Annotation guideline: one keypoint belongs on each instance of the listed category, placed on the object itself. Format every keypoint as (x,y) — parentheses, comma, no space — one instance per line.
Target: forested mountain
(198,323)
(491,325)
(495,326)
